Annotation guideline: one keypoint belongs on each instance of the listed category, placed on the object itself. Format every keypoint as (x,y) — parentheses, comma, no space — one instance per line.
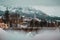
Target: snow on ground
(2,34)
(14,35)
(21,35)
(48,35)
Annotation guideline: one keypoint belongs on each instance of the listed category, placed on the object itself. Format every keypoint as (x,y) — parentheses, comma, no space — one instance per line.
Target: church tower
(6,15)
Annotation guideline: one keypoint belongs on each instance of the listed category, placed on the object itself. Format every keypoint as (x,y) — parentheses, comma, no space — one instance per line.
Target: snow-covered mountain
(27,12)
(1,12)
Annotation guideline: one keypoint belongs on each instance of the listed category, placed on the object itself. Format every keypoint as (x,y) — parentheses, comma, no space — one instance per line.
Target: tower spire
(6,8)
(34,15)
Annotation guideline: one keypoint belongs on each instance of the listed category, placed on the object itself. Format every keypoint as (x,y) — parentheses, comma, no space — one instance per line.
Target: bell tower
(6,15)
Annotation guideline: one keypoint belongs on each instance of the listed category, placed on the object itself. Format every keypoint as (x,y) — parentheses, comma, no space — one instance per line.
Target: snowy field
(21,35)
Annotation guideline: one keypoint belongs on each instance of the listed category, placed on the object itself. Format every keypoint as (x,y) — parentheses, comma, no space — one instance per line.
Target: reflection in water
(21,35)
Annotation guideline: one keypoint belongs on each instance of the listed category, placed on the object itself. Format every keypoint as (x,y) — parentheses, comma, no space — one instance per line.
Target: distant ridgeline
(1,13)
(29,12)
(53,18)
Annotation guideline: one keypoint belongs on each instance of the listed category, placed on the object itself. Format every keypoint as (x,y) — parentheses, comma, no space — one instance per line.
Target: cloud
(30,2)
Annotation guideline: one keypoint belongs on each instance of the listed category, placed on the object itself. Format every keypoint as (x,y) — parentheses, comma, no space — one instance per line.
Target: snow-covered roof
(27,19)
(37,19)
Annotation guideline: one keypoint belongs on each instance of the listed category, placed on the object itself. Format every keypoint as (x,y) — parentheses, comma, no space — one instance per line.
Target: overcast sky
(51,7)
(30,2)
